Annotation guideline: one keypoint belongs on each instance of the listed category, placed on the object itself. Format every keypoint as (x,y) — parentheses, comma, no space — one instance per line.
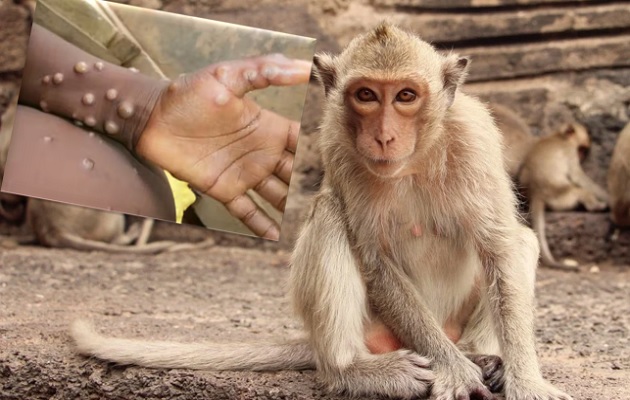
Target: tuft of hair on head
(382,32)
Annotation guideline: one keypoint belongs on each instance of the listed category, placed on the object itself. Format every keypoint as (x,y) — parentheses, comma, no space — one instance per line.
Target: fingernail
(273,234)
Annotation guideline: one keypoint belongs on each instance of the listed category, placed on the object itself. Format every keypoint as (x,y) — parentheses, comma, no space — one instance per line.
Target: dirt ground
(226,294)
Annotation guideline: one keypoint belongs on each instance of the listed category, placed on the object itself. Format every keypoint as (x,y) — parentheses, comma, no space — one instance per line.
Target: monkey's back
(619,179)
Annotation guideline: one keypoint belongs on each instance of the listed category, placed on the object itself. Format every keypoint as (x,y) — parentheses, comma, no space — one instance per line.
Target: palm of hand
(206,133)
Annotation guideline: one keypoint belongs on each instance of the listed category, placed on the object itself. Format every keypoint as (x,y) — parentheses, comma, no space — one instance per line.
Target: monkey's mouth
(385,167)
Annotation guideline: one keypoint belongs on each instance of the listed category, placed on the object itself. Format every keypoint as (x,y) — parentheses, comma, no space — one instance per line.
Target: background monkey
(62,225)
(517,138)
(554,178)
(619,180)
(549,170)
(11,206)
(413,240)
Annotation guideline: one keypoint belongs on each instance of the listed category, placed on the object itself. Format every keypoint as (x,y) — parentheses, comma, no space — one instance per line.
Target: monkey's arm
(509,254)
(78,168)
(593,193)
(398,304)
(329,293)
(64,80)
(406,313)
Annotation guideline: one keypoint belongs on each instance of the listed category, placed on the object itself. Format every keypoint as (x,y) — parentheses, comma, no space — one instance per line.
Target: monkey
(553,178)
(62,225)
(413,246)
(619,180)
(517,138)
(518,144)
(11,206)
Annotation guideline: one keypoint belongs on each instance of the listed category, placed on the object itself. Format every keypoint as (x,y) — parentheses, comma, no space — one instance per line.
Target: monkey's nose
(384,141)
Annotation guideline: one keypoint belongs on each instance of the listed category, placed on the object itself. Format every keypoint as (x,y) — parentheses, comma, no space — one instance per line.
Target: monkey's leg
(537,212)
(398,304)
(329,293)
(145,232)
(591,192)
(128,237)
(570,197)
(138,232)
(510,256)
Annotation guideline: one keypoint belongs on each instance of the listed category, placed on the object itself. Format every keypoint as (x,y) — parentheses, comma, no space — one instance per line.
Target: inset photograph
(159,115)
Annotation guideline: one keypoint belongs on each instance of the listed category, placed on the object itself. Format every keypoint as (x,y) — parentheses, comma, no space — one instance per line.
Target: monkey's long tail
(537,210)
(212,356)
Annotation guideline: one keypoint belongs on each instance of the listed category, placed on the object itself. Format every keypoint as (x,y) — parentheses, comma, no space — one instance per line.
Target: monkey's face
(384,118)
(579,135)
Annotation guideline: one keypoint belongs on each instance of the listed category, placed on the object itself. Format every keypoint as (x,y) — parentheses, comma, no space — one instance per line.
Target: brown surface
(227,294)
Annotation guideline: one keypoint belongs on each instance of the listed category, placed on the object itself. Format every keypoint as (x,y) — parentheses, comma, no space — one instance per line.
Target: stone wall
(549,60)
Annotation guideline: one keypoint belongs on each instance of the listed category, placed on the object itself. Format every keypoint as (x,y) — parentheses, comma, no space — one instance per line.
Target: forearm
(407,314)
(62,79)
(73,167)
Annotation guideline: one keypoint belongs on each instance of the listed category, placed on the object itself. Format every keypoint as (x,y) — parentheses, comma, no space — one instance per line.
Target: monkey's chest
(444,268)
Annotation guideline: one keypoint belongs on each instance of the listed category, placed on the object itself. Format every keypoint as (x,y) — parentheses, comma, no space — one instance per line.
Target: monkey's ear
(325,71)
(454,72)
(568,130)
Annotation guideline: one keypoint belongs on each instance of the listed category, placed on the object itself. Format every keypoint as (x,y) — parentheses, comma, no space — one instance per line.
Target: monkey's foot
(492,369)
(460,382)
(529,390)
(402,374)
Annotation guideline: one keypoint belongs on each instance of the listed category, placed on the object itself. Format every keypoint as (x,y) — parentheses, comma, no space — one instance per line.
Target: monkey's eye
(365,95)
(406,96)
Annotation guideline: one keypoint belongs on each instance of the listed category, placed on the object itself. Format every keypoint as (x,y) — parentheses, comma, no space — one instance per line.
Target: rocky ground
(225,294)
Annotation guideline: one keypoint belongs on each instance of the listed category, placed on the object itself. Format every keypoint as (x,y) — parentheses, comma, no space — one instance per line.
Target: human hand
(205,132)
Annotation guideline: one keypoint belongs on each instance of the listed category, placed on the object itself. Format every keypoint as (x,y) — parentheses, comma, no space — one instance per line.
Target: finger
(274,191)
(293,72)
(242,76)
(244,208)
(285,167)
(292,137)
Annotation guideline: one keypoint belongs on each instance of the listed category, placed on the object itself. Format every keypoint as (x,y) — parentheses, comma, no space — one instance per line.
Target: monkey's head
(577,134)
(387,94)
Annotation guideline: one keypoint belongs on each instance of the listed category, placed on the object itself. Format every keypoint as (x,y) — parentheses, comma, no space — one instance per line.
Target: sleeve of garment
(61,79)
(50,158)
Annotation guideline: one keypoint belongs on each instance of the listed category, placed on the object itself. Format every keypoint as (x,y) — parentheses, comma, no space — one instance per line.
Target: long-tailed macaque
(11,206)
(517,138)
(413,265)
(549,170)
(619,180)
(554,178)
(66,226)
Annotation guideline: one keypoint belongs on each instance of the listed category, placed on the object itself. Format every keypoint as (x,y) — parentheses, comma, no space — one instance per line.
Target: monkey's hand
(459,381)
(205,132)
(532,390)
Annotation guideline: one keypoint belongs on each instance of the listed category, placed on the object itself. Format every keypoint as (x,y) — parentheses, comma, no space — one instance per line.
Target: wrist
(101,96)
